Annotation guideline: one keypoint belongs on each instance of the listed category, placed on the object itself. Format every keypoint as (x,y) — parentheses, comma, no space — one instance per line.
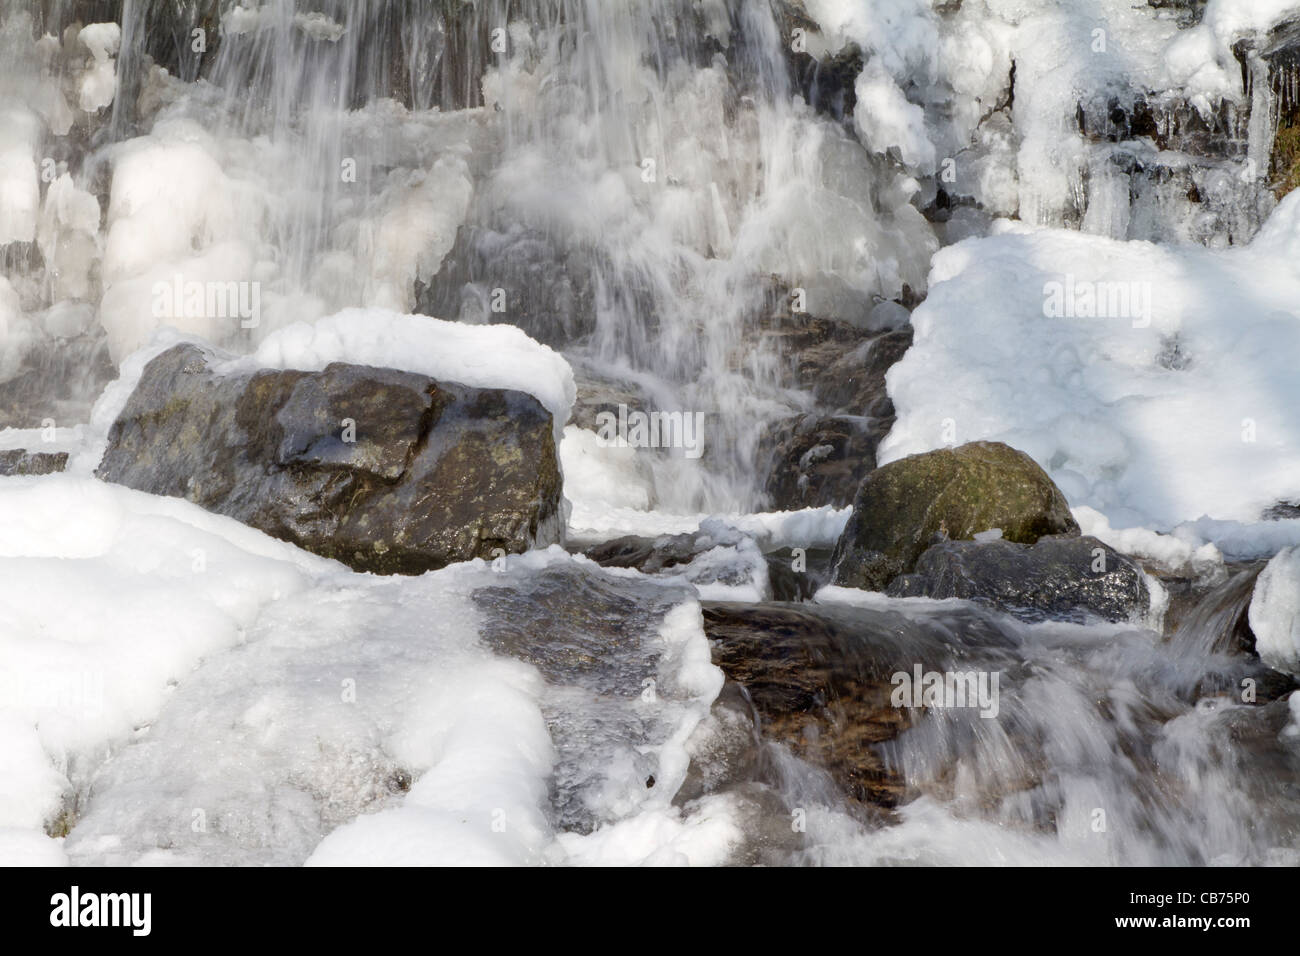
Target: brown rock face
(385,471)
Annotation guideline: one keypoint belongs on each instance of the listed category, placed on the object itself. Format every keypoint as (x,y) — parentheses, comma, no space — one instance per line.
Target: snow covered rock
(1275,613)
(386,471)
(1060,576)
(959,492)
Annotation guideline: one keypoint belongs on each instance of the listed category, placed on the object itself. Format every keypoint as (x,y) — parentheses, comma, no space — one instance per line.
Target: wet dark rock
(841,365)
(594,637)
(798,578)
(21,462)
(957,492)
(1281,511)
(820,457)
(436,472)
(576,624)
(820,678)
(1215,622)
(725,749)
(1185,12)
(819,461)
(648,555)
(828,85)
(1060,576)
(1215,618)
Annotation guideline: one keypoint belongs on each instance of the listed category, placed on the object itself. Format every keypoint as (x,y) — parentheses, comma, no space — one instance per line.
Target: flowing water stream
(643,186)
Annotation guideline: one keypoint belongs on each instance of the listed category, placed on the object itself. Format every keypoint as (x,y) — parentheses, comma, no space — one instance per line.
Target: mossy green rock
(957,492)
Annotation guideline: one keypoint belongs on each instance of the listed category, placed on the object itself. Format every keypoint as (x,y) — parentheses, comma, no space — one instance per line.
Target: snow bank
(110,596)
(1155,384)
(255,700)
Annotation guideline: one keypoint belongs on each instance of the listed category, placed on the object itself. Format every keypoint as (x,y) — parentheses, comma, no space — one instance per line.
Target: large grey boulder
(385,471)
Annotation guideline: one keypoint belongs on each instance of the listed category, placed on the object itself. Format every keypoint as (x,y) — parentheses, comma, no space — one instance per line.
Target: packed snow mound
(1275,612)
(133,625)
(1155,384)
(111,597)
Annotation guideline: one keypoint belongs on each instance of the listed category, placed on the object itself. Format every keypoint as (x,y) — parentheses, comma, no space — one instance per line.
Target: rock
(648,555)
(958,492)
(827,85)
(1282,511)
(724,749)
(820,677)
(598,393)
(21,462)
(549,285)
(596,640)
(842,366)
(437,472)
(716,554)
(798,577)
(1057,577)
(819,461)
(1214,622)
(820,458)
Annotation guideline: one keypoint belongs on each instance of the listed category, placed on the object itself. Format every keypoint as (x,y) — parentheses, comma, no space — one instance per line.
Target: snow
(1275,612)
(1233,19)
(484,356)
(1177,552)
(109,597)
(134,625)
(1170,409)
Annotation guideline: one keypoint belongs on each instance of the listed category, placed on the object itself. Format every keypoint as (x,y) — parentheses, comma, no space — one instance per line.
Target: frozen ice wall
(642,184)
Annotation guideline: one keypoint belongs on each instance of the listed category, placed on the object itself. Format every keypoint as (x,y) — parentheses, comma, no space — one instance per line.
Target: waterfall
(790,220)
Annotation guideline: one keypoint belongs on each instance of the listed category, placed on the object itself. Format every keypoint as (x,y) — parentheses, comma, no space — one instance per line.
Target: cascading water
(644,186)
(634,175)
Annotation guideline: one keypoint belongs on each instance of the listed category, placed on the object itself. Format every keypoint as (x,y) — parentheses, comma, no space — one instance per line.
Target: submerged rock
(1060,576)
(386,471)
(57,380)
(821,678)
(957,492)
